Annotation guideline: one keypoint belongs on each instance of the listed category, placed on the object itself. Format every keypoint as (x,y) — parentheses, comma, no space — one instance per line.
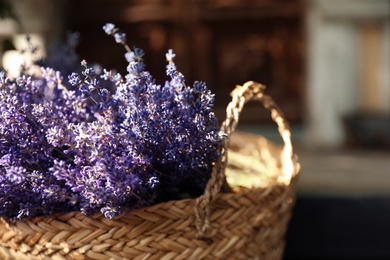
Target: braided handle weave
(250,91)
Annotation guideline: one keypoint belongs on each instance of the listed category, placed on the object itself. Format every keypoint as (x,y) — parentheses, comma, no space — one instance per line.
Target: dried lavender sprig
(143,144)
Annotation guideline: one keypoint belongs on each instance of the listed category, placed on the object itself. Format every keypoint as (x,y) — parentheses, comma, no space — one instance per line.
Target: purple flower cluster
(93,149)
(29,109)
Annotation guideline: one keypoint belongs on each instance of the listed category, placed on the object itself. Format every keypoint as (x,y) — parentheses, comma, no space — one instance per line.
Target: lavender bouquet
(68,143)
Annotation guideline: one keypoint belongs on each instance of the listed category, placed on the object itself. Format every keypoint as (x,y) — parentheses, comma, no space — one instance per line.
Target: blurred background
(325,62)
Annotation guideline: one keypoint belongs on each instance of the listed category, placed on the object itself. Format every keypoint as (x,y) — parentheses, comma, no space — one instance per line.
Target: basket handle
(240,96)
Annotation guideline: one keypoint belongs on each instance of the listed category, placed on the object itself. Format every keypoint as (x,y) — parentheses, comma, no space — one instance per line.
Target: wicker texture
(249,224)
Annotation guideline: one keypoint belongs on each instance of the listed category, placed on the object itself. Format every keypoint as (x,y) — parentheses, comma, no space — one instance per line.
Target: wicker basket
(249,223)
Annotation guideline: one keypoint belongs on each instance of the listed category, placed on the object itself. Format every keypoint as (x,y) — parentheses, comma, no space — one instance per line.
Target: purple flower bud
(120,37)
(74,79)
(170,55)
(130,57)
(109,28)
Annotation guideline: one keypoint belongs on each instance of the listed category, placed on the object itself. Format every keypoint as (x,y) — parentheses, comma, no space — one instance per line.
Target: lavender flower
(93,149)
(109,28)
(30,107)
(120,37)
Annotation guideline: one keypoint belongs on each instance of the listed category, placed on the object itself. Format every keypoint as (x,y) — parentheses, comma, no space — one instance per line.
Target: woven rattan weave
(248,223)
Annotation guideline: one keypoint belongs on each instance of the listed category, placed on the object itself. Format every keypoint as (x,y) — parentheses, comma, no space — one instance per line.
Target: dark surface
(339,227)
